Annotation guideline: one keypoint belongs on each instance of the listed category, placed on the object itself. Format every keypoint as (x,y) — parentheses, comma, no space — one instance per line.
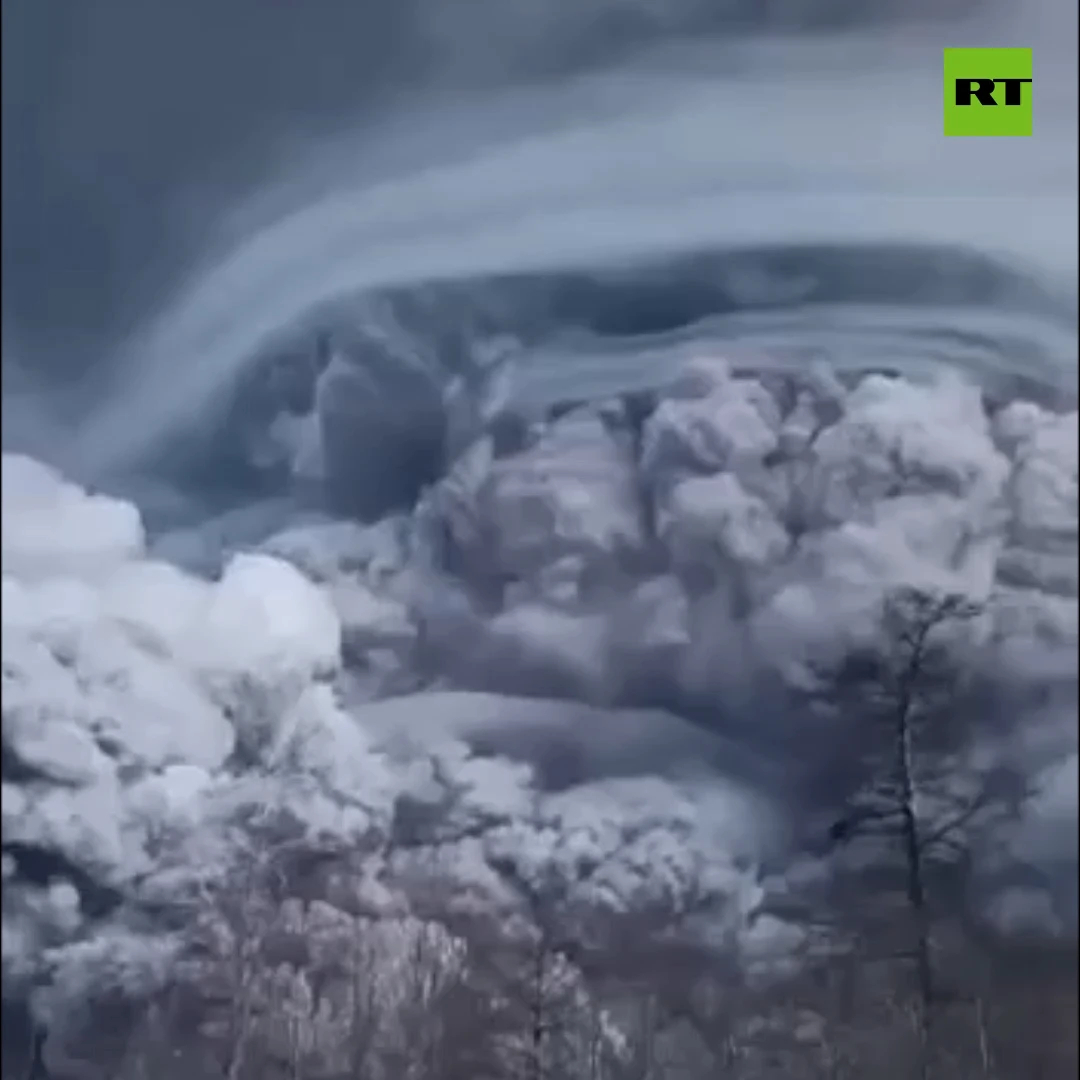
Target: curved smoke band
(739,145)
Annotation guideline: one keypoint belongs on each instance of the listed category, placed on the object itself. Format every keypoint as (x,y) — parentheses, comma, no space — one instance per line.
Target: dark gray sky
(124,120)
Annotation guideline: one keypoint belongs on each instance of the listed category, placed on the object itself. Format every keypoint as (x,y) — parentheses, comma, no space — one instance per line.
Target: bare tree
(907,694)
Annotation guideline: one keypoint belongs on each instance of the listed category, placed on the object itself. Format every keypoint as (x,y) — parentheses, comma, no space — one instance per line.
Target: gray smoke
(476,422)
(497,679)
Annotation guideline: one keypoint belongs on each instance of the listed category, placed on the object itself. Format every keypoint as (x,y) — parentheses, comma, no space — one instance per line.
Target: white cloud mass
(149,713)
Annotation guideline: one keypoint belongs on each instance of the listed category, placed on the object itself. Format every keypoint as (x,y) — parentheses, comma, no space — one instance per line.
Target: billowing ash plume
(481,698)
(526,598)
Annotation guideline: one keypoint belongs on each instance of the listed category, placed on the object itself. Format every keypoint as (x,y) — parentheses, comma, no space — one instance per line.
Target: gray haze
(348,157)
(123,121)
(127,122)
(569,638)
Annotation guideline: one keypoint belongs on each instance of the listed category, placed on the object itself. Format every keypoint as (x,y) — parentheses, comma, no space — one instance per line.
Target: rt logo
(987,91)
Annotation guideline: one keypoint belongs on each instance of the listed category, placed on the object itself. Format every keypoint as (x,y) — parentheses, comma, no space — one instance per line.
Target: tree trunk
(916,885)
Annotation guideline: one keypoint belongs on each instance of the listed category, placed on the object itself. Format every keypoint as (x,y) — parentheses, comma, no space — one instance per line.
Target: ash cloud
(577,665)
(486,693)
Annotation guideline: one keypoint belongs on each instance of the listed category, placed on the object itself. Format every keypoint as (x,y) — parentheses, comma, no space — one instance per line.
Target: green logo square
(987,91)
